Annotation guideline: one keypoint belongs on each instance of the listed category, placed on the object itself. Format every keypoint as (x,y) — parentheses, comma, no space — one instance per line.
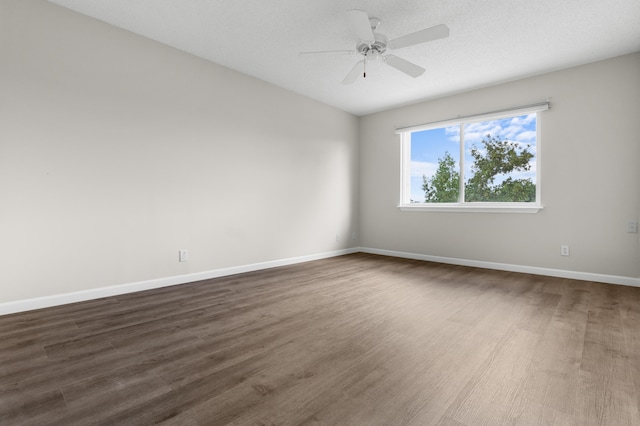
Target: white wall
(116,151)
(590,176)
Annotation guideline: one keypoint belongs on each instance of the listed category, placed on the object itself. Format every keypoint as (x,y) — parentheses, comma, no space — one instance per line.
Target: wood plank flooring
(353,340)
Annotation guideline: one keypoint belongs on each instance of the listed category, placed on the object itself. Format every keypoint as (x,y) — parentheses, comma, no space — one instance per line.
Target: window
(487,162)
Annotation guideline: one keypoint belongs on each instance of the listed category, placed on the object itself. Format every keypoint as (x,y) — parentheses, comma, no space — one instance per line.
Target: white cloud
(515,130)
(529,118)
(528,135)
(454,132)
(519,121)
(419,168)
(511,132)
(475,132)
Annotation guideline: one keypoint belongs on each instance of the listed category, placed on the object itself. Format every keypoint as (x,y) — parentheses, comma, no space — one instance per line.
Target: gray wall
(116,151)
(590,148)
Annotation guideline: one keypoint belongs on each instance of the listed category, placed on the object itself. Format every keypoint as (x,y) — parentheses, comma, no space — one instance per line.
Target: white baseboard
(584,276)
(81,296)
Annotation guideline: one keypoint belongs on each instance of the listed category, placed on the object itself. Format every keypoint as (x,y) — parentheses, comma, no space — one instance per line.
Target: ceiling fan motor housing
(374,50)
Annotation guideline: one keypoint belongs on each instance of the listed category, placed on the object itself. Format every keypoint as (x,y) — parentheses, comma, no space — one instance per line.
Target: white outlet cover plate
(183,255)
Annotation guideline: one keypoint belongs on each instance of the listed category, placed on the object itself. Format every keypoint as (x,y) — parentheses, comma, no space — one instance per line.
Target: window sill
(472,207)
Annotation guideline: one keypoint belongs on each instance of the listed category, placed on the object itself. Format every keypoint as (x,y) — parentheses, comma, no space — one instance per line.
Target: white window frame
(405,165)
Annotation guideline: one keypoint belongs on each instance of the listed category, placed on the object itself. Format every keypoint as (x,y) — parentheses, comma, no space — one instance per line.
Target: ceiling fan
(373,46)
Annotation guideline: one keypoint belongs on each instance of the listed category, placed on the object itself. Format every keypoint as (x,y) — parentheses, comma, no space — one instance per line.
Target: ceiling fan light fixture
(372,55)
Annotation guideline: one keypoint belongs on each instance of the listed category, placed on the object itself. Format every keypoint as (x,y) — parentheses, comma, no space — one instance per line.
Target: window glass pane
(435,165)
(500,160)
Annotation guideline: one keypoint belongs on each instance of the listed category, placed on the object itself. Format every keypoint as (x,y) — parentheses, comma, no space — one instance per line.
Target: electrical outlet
(183,255)
(564,250)
(632,227)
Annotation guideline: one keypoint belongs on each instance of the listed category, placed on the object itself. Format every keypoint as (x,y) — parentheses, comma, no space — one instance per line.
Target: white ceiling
(491,41)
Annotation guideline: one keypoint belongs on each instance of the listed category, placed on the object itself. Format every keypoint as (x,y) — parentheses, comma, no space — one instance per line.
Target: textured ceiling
(491,41)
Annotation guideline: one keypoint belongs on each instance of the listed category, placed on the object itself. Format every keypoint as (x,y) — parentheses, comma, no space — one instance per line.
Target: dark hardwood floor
(352,340)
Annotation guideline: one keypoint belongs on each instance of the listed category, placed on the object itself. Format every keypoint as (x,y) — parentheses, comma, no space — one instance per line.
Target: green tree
(499,157)
(496,157)
(444,185)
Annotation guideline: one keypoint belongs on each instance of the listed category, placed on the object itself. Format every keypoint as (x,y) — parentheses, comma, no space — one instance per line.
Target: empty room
(337,212)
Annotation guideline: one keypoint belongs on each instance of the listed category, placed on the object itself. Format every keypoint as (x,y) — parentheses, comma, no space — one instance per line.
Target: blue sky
(430,145)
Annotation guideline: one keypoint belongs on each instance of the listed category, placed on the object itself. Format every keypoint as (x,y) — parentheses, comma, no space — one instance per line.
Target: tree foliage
(494,161)
(444,186)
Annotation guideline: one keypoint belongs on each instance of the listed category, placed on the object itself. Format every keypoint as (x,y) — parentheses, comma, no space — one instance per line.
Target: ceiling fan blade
(354,73)
(361,26)
(423,36)
(329,52)
(403,65)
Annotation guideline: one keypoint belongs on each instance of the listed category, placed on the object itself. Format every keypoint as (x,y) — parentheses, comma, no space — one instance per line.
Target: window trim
(475,208)
(405,161)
